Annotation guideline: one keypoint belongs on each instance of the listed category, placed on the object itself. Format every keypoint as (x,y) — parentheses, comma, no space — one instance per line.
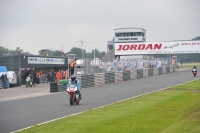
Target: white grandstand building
(125,35)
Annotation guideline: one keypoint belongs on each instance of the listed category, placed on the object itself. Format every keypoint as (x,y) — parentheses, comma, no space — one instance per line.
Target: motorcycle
(29,82)
(194,72)
(74,96)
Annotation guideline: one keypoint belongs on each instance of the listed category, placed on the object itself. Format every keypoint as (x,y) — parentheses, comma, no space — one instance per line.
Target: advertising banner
(157,48)
(39,60)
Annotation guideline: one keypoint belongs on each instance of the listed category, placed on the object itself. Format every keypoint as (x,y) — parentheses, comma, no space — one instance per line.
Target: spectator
(66,75)
(63,75)
(3,79)
(58,76)
(174,62)
(37,77)
(125,68)
(72,65)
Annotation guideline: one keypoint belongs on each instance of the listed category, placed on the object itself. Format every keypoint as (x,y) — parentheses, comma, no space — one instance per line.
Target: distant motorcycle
(194,71)
(29,82)
(74,96)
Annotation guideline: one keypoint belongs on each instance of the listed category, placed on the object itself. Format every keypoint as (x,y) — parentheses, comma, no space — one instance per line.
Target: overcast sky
(33,25)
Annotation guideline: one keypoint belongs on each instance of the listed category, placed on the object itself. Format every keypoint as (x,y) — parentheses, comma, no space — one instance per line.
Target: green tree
(76,51)
(3,51)
(57,53)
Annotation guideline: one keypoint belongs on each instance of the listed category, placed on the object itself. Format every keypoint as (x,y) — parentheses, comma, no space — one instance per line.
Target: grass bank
(190,65)
(174,110)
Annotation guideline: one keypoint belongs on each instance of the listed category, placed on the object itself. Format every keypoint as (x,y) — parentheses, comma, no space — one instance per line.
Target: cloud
(35,24)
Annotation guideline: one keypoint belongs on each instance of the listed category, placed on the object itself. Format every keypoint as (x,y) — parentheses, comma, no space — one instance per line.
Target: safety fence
(43,78)
(106,78)
(91,66)
(98,79)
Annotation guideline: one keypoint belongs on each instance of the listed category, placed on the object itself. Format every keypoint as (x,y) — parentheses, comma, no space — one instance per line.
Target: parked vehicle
(74,96)
(3,69)
(12,78)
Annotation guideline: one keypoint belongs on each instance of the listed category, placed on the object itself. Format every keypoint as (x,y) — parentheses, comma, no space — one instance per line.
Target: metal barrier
(110,77)
(43,78)
(160,71)
(145,72)
(90,66)
(133,74)
(61,87)
(87,81)
(139,73)
(164,70)
(118,76)
(156,71)
(168,69)
(126,75)
(150,71)
(99,79)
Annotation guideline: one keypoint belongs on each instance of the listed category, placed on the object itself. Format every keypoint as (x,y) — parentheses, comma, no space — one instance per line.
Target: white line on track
(25,96)
(102,106)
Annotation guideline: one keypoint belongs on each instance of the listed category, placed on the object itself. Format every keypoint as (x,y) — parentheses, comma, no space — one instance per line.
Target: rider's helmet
(73,77)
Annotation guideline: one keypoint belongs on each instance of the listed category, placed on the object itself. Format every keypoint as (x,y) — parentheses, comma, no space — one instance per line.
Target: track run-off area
(22,112)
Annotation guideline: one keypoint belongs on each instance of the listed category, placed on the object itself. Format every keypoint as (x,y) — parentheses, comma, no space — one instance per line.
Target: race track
(18,114)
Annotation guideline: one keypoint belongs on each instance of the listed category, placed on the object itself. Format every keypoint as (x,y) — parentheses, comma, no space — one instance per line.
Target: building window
(124,34)
(131,34)
(135,34)
(117,34)
(120,34)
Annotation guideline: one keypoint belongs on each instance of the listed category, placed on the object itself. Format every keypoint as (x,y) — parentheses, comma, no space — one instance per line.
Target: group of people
(61,74)
(57,76)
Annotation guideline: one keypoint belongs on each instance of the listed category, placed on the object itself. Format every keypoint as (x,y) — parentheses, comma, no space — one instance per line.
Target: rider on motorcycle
(28,79)
(75,82)
(194,69)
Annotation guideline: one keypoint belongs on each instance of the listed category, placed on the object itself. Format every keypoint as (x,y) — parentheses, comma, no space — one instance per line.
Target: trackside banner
(157,48)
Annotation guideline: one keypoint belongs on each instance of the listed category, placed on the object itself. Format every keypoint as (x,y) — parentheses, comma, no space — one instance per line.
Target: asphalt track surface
(22,113)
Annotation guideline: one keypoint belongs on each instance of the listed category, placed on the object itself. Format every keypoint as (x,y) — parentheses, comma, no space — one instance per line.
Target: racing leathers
(77,83)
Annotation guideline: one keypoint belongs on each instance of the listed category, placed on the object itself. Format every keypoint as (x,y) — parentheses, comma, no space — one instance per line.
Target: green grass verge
(189,65)
(175,110)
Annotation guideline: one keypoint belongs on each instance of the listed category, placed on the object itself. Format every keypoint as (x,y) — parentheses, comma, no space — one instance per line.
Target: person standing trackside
(72,65)
(58,76)
(174,62)
(66,74)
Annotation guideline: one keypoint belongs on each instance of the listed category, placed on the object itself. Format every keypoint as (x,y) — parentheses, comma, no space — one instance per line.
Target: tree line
(78,51)
(47,52)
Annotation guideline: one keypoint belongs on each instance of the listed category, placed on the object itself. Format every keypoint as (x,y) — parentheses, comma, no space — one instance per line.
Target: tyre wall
(98,79)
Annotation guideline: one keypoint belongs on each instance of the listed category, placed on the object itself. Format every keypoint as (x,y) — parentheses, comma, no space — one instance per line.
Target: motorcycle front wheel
(71,100)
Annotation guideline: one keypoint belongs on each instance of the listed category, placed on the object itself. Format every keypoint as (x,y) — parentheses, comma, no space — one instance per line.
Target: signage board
(39,60)
(157,48)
